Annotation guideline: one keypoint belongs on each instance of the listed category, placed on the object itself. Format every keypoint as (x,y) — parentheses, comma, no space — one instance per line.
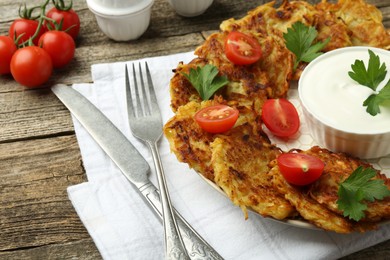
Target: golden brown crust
(339,167)
(181,90)
(365,23)
(241,170)
(188,141)
(237,161)
(242,160)
(347,23)
(272,72)
(329,26)
(312,211)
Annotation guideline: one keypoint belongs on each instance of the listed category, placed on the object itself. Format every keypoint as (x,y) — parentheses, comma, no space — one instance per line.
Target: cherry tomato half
(280,117)
(7,49)
(242,49)
(70,20)
(59,45)
(300,169)
(216,119)
(31,66)
(27,28)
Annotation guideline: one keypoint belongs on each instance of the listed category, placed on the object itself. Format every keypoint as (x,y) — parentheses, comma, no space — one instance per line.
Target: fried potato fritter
(240,169)
(237,161)
(317,202)
(365,23)
(312,211)
(339,167)
(272,72)
(242,161)
(188,141)
(330,26)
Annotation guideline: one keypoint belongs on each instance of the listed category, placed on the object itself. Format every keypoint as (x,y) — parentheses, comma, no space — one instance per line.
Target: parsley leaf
(299,40)
(206,80)
(373,75)
(357,187)
(374,100)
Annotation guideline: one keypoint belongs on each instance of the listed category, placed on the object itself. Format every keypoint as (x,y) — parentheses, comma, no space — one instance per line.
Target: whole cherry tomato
(31,66)
(216,119)
(59,45)
(26,27)
(299,168)
(7,49)
(70,20)
(242,49)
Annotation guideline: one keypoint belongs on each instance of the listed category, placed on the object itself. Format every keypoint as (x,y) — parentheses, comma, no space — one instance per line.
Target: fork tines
(140,98)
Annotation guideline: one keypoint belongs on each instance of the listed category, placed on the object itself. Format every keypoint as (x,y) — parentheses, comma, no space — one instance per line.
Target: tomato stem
(60,5)
(17,39)
(41,18)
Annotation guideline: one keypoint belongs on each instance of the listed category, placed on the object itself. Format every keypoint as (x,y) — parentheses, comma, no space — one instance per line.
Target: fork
(146,124)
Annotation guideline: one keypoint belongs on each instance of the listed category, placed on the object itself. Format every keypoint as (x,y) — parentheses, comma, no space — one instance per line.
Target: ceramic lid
(118,7)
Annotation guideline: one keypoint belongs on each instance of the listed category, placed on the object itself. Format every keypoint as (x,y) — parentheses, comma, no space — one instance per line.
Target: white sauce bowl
(116,3)
(122,22)
(332,104)
(190,8)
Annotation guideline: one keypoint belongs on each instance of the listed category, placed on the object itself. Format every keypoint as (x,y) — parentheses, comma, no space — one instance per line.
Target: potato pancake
(241,170)
(241,161)
(237,161)
(339,167)
(312,211)
(364,22)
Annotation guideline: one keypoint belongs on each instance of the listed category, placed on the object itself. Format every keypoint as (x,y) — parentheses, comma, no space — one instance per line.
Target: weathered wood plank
(35,209)
(82,249)
(31,113)
(39,153)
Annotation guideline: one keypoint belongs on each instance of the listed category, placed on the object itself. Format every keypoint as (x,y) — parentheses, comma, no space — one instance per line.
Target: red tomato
(280,117)
(70,19)
(59,45)
(216,119)
(300,169)
(31,66)
(7,49)
(27,28)
(242,49)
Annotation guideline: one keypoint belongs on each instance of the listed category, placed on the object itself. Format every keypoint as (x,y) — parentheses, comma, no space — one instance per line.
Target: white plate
(304,141)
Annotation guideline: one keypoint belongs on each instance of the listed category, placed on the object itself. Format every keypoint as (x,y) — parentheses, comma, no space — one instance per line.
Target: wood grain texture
(39,154)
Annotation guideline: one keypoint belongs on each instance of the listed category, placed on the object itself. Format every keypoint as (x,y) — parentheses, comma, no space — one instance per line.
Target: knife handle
(196,246)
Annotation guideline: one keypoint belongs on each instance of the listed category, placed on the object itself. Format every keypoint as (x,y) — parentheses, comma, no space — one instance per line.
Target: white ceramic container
(125,20)
(116,3)
(190,8)
(332,104)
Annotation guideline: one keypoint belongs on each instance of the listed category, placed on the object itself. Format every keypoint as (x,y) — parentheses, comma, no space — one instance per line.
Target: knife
(136,170)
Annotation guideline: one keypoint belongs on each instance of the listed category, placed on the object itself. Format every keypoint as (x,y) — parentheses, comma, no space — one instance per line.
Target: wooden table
(39,153)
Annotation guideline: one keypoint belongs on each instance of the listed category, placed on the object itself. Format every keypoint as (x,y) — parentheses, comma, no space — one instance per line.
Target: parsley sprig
(371,77)
(360,186)
(206,80)
(299,40)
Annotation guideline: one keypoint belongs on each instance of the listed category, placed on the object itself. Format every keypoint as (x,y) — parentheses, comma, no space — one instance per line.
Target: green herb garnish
(374,100)
(371,77)
(357,187)
(206,80)
(299,40)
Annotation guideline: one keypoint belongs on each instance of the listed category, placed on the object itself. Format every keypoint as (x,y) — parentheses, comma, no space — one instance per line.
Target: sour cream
(332,105)
(332,97)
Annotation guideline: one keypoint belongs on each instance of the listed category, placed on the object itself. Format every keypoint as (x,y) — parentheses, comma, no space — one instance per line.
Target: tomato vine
(39,39)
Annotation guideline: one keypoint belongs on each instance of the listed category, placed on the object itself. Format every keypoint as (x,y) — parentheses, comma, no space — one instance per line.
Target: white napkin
(123,227)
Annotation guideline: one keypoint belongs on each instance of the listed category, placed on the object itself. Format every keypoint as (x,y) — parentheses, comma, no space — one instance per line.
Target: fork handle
(196,246)
(174,245)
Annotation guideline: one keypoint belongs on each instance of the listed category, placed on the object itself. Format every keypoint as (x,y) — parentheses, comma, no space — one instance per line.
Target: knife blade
(119,149)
